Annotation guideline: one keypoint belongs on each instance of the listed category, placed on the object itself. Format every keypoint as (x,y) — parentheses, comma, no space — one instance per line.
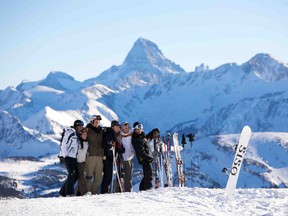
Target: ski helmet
(78,123)
(115,123)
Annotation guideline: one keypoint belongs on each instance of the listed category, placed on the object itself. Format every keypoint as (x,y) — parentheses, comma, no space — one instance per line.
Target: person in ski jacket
(144,155)
(153,134)
(126,139)
(81,158)
(68,154)
(111,139)
(95,154)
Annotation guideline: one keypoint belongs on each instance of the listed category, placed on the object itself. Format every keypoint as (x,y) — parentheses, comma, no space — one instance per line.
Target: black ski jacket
(142,149)
(109,137)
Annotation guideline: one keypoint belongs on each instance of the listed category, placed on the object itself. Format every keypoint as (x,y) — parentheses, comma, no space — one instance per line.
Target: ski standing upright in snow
(115,174)
(179,162)
(157,163)
(238,159)
(167,164)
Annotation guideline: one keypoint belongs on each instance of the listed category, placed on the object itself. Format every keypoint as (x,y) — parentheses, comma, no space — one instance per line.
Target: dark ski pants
(128,170)
(146,182)
(72,168)
(108,174)
(82,188)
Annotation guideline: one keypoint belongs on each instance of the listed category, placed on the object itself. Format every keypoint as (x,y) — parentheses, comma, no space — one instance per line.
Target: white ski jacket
(69,143)
(127,144)
(82,152)
(151,145)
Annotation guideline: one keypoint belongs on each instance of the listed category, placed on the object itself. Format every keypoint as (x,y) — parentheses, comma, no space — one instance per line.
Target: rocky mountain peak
(145,64)
(267,68)
(142,51)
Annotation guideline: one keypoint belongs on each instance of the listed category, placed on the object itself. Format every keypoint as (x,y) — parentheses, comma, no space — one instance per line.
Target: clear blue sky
(83,38)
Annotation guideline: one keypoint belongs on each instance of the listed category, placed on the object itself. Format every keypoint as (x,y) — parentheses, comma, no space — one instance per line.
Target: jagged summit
(144,50)
(202,68)
(267,68)
(146,53)
(145,64)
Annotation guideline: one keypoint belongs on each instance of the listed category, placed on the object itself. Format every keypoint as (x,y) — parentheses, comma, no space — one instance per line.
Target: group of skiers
(89,154)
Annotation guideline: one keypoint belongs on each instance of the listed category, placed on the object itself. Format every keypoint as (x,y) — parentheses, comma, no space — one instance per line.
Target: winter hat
(115,123)
(135,123)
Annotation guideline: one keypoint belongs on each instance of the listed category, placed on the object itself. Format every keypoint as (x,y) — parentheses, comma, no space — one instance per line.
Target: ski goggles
(139,126)
(95,117)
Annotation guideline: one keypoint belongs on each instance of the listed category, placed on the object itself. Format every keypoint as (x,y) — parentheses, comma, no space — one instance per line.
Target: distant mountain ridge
(150,82)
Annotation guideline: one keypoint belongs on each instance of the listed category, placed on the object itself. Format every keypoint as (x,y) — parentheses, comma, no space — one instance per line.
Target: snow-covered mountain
(267,68)
(151,89)
(208,103)
(17,140)
(144,65)
(56,80)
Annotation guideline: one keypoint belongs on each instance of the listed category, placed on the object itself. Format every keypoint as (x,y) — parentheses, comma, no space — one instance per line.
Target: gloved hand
(149,159)
(62,159)
(121,150)
(112,143)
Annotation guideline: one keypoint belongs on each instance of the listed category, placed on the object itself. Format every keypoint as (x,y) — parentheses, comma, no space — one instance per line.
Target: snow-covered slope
(15,140)
(49,121)
(265,162)
(12,98)
(162,202)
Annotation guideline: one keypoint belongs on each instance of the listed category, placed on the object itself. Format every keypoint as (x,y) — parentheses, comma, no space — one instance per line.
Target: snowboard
(238,159)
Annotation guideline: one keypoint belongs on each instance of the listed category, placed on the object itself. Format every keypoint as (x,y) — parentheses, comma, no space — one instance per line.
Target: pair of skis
(116,175)
(162,163)
(179,162)
(158,164)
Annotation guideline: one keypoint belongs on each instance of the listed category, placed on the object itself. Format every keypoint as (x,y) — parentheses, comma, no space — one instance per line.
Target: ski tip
(247,128)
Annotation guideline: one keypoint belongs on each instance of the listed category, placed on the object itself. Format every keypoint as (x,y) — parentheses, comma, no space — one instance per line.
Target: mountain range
(150,88)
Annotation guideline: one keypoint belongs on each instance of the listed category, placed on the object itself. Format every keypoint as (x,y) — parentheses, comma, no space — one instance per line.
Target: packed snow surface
(164,201)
